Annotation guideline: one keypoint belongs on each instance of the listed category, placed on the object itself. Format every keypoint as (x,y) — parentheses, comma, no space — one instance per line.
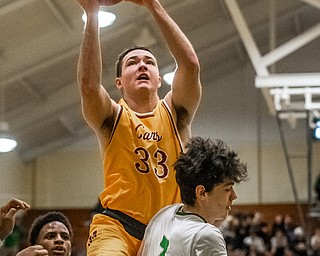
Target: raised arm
(7,215)
(186,81)
(97,105)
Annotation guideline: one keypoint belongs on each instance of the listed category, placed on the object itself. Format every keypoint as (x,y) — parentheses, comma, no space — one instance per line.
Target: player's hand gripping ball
(109,2)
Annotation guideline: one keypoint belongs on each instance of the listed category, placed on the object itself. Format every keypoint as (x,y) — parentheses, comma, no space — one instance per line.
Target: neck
(194,210)
(200,211)
(142,105)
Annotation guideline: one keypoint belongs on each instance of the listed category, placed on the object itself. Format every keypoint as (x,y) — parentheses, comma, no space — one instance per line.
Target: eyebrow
(144,56)
(55,232)
(231,183)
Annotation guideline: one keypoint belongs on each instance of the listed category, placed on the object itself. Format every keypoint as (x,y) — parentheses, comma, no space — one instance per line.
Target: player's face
(219,200)
(139,71)
(55,238)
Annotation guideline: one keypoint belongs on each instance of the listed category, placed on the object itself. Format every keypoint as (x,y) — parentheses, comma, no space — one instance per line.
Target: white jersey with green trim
(172,232)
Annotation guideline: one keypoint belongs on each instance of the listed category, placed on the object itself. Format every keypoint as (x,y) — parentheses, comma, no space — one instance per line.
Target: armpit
(182,116)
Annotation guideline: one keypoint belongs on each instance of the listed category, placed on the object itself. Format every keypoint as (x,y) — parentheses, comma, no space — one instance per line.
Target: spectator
(277,224)
(279,243)
(50,235)
(299,242)
(264,232)
(315,242)
(254,244)
(227,228)
(289,226)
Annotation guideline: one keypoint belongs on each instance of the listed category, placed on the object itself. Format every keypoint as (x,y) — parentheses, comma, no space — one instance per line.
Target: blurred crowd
(250,234)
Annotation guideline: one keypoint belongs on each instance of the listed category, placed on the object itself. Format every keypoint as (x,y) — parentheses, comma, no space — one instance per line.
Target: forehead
(54,226)
(138,53)
(226,183)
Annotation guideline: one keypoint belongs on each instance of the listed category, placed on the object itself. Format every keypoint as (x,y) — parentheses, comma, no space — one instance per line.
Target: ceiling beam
(246,36)
(14,5)
(48,62)
(288,79)
(59,15)
(30,88)
(67,125)
(35,152)
(315,3)
(264,79)
(251,47)
(290,46)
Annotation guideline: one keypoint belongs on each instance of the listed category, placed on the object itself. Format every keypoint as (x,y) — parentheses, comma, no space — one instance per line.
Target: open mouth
(143,77)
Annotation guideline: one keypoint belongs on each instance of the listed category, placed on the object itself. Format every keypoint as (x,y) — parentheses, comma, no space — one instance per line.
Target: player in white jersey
(206,174)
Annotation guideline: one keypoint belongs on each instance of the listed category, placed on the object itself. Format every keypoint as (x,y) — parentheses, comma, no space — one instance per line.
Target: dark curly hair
(124,53)
(209,163)
(42,220)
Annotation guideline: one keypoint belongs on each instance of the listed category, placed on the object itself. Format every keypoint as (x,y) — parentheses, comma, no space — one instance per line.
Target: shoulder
(210,234)
(170,209)
(210,241)
(164,215)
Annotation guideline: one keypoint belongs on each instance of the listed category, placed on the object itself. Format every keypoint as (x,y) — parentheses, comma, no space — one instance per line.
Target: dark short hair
(124,53)
(209,163)
(42,220)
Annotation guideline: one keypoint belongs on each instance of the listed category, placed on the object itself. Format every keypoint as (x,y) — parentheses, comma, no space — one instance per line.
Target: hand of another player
(34,250)
(7,214)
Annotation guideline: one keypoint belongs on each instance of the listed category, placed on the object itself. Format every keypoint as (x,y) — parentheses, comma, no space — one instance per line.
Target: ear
(200,192)
(118,83)
(160,82)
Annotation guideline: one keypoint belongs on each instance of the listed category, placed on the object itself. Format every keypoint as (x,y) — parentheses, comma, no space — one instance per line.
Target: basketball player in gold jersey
(140,136)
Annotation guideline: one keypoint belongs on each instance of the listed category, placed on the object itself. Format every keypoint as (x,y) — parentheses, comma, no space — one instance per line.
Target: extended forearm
(178,43)
(90,63)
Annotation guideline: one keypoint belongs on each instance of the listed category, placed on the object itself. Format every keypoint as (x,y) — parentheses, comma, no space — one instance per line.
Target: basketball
(108,2)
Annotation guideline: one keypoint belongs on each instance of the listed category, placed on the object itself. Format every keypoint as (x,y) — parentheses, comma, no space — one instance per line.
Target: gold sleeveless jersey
(139,178)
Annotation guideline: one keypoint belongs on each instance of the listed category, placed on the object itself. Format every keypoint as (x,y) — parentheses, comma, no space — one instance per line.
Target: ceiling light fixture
(168,77)
(7,142)
(105,18)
